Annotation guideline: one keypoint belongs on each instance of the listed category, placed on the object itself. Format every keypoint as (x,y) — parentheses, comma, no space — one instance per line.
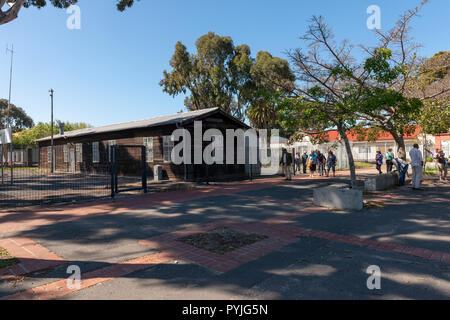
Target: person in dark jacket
(379,161)
(321,160)
(331,163)
(304,161)
(286,162)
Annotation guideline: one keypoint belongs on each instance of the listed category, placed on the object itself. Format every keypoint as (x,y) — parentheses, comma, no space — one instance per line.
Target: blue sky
(109,71)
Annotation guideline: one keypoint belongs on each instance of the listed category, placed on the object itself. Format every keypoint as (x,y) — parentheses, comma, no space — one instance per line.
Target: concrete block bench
(381,182)
(339,197)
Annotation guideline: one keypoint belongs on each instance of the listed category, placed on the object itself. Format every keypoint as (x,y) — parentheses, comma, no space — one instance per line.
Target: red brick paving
(279,235)
(59,288)
(32,257)
(229,260)
(29,218)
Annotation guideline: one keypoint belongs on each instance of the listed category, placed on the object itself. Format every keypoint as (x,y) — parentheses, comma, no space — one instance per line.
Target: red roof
(333,135)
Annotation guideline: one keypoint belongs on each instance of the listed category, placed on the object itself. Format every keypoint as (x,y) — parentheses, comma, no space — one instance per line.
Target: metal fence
(36,186)
(128,169)
(64,180)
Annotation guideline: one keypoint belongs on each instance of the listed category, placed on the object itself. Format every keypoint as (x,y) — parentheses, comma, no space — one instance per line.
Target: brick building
(88,150)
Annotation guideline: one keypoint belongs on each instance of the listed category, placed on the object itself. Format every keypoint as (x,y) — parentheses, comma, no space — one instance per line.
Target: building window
(363,149)
(95,152)
(49,154)
(148,143)
(111,143)
(167,148)
(79,151)
(66,153)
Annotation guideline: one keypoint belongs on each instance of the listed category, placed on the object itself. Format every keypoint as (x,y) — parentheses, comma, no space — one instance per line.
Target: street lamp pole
(51,148)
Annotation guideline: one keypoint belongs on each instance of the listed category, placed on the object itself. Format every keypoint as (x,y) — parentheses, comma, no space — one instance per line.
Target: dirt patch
(222,240)
(6,259)
(374,204)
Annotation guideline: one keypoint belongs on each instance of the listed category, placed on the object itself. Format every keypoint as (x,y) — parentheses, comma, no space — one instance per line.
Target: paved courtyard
(130,249)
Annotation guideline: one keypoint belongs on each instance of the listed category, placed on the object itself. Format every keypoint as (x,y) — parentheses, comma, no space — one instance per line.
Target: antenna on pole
(8,50)
(9,107)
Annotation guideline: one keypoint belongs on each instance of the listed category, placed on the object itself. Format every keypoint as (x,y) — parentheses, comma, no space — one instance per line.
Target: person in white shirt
(417,166)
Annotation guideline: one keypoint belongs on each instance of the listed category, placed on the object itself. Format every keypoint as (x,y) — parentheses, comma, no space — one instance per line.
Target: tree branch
(12,13)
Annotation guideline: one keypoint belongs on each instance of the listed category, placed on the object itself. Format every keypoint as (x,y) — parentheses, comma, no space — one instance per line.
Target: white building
(365,151)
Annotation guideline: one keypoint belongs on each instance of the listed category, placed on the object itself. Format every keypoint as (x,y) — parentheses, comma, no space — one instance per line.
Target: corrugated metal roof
(146,123)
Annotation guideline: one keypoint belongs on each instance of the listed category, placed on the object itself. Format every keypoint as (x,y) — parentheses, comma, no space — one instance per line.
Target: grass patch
(22,168)
(6,259)
(362,165)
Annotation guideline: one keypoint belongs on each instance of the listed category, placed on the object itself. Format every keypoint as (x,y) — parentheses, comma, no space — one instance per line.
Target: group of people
(389,161)
(417,165)
(324,164)
(314,162)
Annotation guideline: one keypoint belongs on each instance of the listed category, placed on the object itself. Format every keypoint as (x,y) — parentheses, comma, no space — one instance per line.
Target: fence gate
(128,168)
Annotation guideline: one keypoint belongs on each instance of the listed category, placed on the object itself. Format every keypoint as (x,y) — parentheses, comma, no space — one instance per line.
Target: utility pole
(51,148)
(8,111)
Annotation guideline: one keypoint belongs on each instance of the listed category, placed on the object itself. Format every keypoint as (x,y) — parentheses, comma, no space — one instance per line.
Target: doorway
(72,160)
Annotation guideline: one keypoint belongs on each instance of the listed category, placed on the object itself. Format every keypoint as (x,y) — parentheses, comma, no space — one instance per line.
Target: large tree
(377,88)
(409,98)
(329,81)
(432,85)
(222,75)
(272,79)
(218,75)
(16,116)
(9,9)
(336,90)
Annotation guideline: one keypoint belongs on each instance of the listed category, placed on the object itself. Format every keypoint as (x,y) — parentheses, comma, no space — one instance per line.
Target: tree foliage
(432,85)
(18,118)
(27,138)
(223,75)
(9,9)
(329,83)
(369,95)
(272,78)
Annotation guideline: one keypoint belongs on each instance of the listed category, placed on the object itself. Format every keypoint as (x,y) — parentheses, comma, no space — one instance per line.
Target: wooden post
(144,169)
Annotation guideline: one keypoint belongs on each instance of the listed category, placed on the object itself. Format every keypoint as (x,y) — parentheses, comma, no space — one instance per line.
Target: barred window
(148,143)
(79,151)
(95,152)
(167,148)
(66,153)
(111,143)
